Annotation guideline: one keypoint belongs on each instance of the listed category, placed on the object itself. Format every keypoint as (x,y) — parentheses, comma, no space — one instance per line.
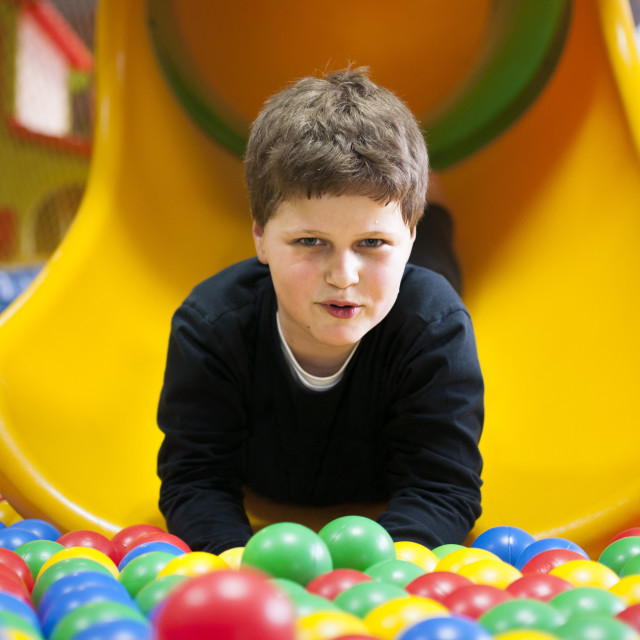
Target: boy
(326,371)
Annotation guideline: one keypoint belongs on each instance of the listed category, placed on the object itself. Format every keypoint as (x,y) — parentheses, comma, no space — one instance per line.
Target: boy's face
(336,264)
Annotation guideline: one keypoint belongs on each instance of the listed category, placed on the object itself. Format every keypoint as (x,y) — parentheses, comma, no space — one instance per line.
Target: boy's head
(336,135)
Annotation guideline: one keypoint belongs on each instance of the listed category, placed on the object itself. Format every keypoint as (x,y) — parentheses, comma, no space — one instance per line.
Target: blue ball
(13,537)
(13,604)
(543,545)
(73,582)
(120,629)
(446,628)
(75,599)
(148,547)
(505,542)
(42,529)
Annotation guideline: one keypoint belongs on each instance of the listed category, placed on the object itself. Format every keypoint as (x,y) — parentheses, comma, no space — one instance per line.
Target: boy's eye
(310,242)
(372,243)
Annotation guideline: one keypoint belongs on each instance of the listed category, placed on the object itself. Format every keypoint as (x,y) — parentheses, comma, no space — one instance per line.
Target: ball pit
(347,582)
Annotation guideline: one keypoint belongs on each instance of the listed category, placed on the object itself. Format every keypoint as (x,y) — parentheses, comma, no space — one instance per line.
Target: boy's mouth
(341,310)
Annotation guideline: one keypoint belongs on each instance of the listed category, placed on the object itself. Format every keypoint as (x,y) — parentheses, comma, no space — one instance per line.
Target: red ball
(631,616)
(550,559)
(539,586)
(226,605)
(157,536)
(332,583)
(91,540)
(475,599)
(634,531)
(437,585)
(14,563)
(126,535)
(16,587)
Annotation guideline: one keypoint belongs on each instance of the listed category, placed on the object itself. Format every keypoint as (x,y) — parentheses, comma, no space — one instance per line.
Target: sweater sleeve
(201,414)
(433,434)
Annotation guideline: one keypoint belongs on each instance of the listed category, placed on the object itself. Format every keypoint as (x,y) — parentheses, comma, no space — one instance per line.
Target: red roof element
(61,33)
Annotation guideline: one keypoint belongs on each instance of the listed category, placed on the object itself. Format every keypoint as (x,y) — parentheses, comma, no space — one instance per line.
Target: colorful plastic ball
(587,601)
(416,553)
(544,561)
(63,568)
(17,606)
(505,542)
(148,547)
(288,550)
(631,568)
(583,573)
(494,572)
(445,628)
(81,552)
(634,531)
(631,616)
(14,537)
(355,542)
(92,539)
(194,563)
(522,614)
(437,585)
(445,549)
(157,536)
(226,605)
(143,569)
(116,630)
(14,562)
(331,584)
(91,614)
(543,545)
(628,589)
(36,552)
(290,587)
(306,603)
(596,628)
(14,621)
(42,529)
(618,553)
(122,539)
(459,558)
(366,596)
(15,587)
(539,586)
(75,599)
(388,619)
(326,625)
(399,572)
(474,600)
(233,557)
(156,591)
(10,574)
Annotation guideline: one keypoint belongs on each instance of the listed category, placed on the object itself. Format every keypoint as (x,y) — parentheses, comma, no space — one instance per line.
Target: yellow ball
(492,572)
(525,634)
(81,552)
(193,564)
(233,557)
(326,625)
(387,620)
(416,553)
(586,573)
(456,559)
(628,589)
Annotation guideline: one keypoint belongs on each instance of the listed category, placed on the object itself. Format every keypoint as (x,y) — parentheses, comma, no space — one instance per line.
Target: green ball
(289,587)
(587,601)
(522,613)
(398,572)
(36,552)
(63,568)
(156,591)
(596,628)
(363,597)
(631,567)
(620,552)
(307,603)
(91,614)
(356,542)
(143,569)
(288,550)
(445,549)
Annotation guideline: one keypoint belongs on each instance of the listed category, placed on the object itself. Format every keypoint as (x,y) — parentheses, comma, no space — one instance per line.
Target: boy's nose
(343,270)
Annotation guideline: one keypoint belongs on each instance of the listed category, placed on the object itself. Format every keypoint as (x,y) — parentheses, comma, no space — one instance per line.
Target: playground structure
(545,192)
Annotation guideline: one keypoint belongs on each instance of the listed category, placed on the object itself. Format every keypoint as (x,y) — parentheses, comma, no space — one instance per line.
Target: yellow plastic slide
(546,197)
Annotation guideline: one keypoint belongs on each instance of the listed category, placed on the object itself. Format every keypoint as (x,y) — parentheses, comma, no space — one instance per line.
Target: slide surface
(548,228)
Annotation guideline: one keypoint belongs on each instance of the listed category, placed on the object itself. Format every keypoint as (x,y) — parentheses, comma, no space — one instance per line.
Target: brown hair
(339,134)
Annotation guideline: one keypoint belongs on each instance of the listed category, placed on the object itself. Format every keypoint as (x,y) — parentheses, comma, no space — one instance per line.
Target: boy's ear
(258,240)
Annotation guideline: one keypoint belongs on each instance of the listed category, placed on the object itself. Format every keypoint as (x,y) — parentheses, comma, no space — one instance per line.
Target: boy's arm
(201,415)
(433,433)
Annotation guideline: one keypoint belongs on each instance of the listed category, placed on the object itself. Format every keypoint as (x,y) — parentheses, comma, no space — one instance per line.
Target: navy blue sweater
(403,424)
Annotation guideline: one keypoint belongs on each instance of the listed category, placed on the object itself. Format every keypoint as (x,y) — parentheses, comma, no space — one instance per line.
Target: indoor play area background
(122,126)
